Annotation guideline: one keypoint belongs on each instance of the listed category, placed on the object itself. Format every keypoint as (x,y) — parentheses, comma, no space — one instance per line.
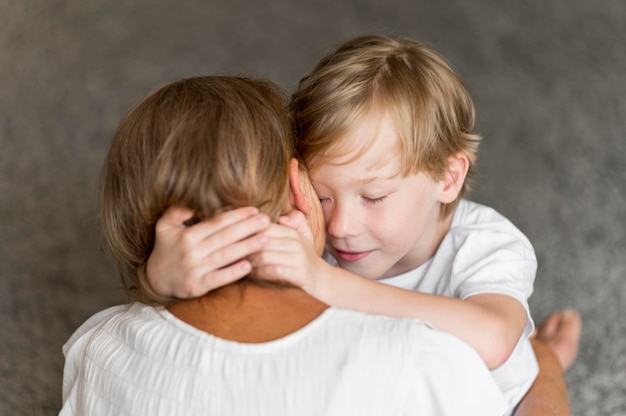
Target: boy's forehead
(364,154)
(372,137)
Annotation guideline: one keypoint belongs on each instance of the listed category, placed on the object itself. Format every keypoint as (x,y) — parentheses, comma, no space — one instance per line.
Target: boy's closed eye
(373,200)
(367,199)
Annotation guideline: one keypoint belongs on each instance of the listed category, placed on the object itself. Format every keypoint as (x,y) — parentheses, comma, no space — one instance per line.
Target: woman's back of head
(209,143)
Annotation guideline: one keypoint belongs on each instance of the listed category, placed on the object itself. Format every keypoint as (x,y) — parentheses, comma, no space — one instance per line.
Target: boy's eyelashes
(374,200)
(367,199)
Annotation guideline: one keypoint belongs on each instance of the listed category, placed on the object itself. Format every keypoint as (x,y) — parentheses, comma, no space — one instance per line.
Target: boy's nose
(341,222)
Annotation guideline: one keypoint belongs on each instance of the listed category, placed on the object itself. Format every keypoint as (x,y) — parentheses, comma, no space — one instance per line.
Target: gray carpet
(548,78)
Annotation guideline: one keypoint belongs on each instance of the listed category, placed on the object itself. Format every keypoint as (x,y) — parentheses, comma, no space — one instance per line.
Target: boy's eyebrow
(371,179)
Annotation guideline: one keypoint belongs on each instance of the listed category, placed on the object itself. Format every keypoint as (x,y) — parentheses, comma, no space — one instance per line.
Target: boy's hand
(290,255)
(189,261)
(296,220)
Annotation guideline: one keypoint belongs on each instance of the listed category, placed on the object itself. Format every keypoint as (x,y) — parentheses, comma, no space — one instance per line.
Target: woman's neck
(250,313)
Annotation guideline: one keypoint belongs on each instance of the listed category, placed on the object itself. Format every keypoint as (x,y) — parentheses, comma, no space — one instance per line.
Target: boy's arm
(191,260)
(491,323)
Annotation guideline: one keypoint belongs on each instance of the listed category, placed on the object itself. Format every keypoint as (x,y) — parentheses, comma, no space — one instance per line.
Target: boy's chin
(360,268)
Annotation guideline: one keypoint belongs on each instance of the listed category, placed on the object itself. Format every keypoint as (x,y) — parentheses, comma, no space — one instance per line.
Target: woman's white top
(141,360)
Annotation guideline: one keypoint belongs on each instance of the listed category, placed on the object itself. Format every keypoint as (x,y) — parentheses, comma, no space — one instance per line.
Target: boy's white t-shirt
(141,360)
(483,252)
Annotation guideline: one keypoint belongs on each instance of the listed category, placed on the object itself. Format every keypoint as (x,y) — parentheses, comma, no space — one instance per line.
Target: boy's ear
(454,177)
(298,198)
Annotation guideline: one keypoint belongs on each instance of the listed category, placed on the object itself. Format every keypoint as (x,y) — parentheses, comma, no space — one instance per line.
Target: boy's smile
(351,255)
(379,224)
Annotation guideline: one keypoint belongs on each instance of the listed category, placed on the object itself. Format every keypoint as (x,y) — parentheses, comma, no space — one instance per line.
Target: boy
(386,128)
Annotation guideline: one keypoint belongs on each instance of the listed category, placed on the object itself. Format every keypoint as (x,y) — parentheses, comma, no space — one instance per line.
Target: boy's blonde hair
(208,143)
(431,109)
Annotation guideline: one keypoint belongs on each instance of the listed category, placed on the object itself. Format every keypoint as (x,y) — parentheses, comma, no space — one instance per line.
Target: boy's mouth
(352,255)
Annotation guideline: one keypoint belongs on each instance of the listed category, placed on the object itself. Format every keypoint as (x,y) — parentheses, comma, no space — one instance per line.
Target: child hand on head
(191,261)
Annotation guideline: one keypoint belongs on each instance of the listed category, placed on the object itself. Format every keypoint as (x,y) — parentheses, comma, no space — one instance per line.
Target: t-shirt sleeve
(490,261)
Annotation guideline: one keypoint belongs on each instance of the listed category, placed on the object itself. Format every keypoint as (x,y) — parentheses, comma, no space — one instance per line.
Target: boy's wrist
(319,282)
(148,293)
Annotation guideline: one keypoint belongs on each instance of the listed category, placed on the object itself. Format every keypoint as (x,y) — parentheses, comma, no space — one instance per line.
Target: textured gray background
(548,78)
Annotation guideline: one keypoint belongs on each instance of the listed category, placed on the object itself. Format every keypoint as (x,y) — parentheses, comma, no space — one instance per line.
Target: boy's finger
(225,276)
(213,241)
(294,219)
(281,231)
(240,218)
(177,217)
(174,217)
(271,272)
(297,221)
(267,258)
(228,218)
(231,253)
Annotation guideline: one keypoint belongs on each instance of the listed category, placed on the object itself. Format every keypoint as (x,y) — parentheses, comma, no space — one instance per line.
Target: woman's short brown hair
(209,143)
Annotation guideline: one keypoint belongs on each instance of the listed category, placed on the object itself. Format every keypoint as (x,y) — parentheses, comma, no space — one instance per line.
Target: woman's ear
(304,199)
(454,177)
(298,197)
